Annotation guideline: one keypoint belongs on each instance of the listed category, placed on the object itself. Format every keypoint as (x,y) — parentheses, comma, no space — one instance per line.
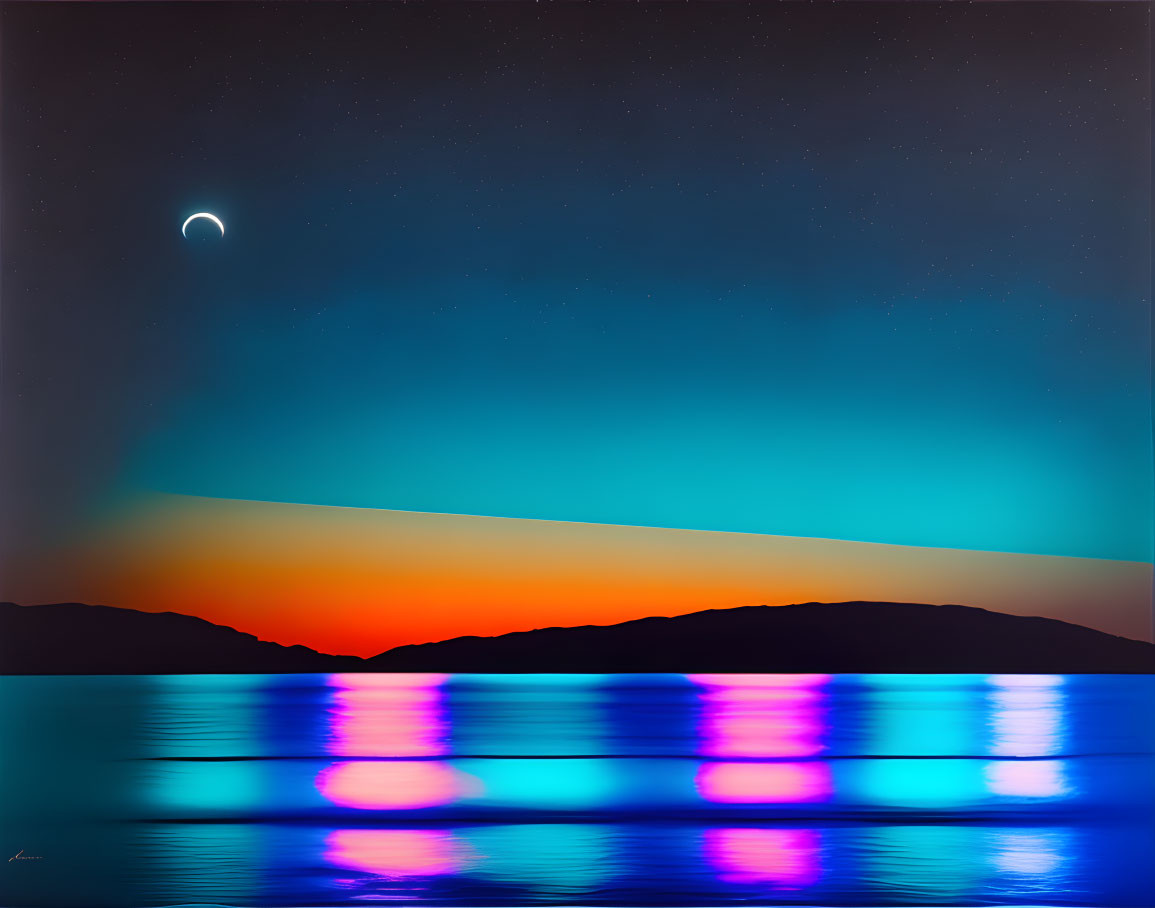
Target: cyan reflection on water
(579,789)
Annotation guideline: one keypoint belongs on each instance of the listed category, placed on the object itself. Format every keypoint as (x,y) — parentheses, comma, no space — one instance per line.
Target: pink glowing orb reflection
(387,715)
(755,682)
(786,858)
(762,715)
(765,783)
(394,785)
(396,852)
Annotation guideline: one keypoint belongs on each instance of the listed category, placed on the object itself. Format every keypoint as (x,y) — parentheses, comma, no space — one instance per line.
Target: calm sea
(313,790)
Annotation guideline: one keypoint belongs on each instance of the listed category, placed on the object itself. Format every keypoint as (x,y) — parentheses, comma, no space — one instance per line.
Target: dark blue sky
(873,272)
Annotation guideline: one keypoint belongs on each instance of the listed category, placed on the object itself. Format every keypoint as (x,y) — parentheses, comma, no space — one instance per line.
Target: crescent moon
(206,216)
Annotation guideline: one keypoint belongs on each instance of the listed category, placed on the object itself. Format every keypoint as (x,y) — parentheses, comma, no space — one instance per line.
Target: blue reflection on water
(942,784)
(556,859)
(923,715)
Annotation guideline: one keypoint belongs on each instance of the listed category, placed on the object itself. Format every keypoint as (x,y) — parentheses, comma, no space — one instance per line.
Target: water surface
(295,790)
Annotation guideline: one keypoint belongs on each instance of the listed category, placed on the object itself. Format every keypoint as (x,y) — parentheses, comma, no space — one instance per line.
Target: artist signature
(21,856)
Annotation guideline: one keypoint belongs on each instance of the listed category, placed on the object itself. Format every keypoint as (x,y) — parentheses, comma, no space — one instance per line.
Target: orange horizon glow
(361,581)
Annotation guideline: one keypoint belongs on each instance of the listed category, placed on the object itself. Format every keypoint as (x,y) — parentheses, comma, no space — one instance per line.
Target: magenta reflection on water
(397,852)
(768,719)
(390,716)
(780,858)
(387,715)
(762,715)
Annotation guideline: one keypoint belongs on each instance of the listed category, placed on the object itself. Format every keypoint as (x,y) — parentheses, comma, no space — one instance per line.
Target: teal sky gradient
(872,272)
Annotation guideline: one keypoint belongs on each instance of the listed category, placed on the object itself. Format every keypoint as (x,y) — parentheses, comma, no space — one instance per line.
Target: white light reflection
(1027,715)
(1035,853)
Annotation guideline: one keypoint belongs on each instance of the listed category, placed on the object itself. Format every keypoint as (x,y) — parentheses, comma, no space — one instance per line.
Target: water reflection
(925,864)
(1028,778)
(396,853)
(1027,721)
(629,862)
(765,783)
(598,790)
(762,715)
(557,858)
(764,718)
(215,863)
(1030,853)
(923,715)
(381,785)
(783,858)
(561,784)
(531,715)
(206,716)
(387,715)
(909,783)
(1026,715)
(390,716)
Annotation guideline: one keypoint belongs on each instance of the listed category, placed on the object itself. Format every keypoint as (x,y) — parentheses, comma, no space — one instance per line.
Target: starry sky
(867,272)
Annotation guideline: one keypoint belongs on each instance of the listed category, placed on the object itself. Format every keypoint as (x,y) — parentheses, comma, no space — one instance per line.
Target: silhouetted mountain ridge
(806,637)
(72,638)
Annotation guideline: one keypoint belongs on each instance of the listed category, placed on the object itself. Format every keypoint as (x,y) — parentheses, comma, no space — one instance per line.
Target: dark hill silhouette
(74,639)
(811,637)
(71,638)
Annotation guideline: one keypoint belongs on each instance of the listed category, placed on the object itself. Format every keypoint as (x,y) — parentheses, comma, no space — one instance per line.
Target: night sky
(866,272)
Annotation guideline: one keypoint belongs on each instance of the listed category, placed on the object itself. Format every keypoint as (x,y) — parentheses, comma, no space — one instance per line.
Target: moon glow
(206,216)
